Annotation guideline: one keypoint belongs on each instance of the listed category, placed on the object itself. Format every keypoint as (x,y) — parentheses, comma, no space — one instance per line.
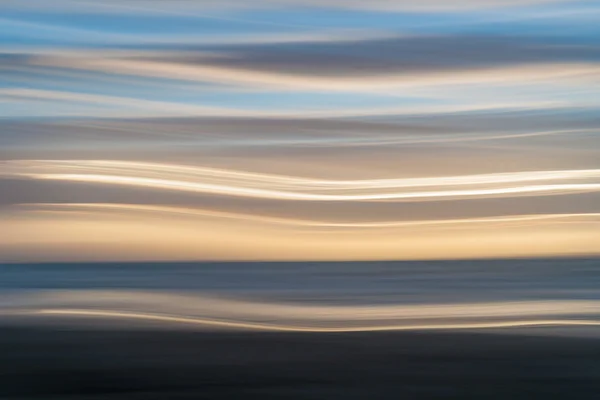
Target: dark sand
(78,364)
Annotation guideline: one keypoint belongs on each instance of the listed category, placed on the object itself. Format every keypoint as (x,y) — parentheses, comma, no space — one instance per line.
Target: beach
(148,364)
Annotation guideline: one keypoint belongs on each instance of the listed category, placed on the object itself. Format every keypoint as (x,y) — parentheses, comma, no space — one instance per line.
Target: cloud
(124,107)
(281,187)
(105,38)
(382,66)
(305,81)
(199,214)
(406,53)
(185,7)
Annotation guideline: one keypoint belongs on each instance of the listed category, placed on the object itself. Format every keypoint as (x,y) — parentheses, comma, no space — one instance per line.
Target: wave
(219,312)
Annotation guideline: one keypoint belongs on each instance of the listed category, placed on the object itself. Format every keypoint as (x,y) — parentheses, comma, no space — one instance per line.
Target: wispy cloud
(246,184)
(175,6)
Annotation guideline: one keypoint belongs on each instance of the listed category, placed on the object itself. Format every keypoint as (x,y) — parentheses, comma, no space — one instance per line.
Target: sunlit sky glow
(299,130)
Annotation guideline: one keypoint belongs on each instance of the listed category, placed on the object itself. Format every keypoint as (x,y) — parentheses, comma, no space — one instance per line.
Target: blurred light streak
(247,310)
(372,140)
(381,83)
(246,184)
(129,107)
(161,171)
(278,195)
(533,218)
(288,328)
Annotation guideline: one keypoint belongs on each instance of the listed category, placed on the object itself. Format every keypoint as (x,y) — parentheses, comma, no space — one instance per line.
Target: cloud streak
(166,211)
(154,6)
(247,184)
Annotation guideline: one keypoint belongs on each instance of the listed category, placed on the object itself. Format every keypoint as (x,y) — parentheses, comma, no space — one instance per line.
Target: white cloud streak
(281,187)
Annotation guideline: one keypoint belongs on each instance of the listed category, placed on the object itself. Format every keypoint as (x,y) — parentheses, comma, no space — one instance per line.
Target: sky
(299,129)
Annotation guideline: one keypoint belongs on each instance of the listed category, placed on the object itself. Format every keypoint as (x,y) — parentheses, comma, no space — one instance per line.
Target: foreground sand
(158,364)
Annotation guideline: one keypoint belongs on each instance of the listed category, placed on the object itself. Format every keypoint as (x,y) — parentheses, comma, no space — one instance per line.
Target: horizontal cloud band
(280,187)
